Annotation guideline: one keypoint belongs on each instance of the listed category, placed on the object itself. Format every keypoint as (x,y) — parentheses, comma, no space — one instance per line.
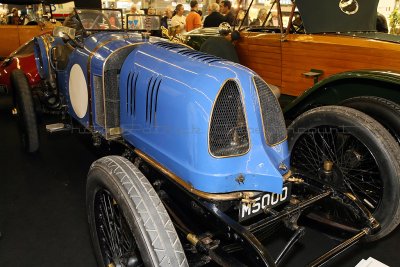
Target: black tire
(28,127)
(138,212)
(365,157)
(381,109)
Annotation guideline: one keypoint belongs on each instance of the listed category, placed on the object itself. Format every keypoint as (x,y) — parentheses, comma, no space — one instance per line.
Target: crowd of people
(13,18)
(178,22)
(218,12)
(16,17)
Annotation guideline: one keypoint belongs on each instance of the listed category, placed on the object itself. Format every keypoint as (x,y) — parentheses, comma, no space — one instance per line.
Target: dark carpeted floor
(42,201)
(42,207)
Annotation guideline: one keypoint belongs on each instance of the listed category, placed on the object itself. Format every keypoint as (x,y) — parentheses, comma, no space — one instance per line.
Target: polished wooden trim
(283,62)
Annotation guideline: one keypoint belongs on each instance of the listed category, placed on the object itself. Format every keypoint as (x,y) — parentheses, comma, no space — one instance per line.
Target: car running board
(57,127)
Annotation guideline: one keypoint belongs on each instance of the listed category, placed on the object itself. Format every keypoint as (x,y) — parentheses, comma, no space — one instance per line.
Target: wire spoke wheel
(128,222)
(354,168)
(116,240)
(346,150)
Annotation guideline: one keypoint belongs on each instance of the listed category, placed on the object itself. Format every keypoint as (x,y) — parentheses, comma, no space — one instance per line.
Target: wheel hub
(332,174)
(132,261)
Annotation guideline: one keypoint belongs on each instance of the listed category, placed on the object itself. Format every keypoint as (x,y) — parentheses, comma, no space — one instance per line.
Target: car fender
(336,88)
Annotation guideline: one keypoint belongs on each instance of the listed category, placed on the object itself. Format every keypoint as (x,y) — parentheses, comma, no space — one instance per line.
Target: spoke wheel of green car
(381,109)
(346,150)
(128,222)
(26,114)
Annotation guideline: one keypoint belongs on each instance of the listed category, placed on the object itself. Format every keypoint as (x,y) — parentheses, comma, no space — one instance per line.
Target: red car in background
(22,58)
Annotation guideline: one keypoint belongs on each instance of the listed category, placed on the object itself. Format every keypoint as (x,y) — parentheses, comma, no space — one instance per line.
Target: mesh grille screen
(111,98)
(228,134)
(271,113)
(98,98)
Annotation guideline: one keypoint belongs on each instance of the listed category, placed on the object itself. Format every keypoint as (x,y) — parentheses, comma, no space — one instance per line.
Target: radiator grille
(111,98)
(98,98)
(228,135)
(271,113)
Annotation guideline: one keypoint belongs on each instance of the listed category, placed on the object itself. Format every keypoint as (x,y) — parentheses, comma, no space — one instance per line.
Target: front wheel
(347,150)
(128,223)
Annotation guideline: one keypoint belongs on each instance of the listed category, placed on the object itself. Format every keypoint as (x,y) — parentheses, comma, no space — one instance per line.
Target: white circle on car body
(349,7)
(78,91)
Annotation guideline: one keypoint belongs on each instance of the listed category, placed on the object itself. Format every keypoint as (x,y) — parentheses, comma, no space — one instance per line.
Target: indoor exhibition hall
(199,133)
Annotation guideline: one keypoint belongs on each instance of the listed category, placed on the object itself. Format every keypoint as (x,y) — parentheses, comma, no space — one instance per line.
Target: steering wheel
(95,24)
(97,19)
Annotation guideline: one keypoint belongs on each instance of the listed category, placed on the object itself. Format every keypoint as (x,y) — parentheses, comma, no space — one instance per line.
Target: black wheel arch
(384,111)
(337,88)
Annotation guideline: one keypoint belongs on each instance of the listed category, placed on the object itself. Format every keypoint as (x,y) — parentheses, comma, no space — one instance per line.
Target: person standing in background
(14,18)
(225,9)
(178,21)
(193,19)
(166,19)
(214,18)
(262,15)
(151,11)
(134,10)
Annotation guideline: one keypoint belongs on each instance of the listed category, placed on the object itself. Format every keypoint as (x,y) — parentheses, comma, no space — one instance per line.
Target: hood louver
(193,54)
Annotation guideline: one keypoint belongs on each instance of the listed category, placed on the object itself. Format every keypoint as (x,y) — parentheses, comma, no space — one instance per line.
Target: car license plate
(267,200)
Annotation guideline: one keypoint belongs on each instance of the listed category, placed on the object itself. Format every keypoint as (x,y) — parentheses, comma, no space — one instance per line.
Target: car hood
(338,15)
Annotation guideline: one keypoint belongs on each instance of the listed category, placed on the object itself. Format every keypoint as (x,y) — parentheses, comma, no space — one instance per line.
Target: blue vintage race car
(205,174)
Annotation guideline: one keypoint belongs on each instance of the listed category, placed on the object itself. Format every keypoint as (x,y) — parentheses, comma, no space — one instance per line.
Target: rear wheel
(27,121)
(129,224)
(348,151)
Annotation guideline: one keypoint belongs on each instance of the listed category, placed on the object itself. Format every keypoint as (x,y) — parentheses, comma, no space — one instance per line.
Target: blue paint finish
(166,112)
(280,152)
(41,56)
(175,132)
(103,45)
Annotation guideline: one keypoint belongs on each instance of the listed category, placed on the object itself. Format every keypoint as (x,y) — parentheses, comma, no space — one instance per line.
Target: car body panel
(346,85)
(289,58)
(102,46)
(177,135)
(22,58)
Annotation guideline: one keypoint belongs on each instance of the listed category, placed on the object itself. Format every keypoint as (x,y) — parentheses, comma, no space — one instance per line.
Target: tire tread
(159,228)
(24,96)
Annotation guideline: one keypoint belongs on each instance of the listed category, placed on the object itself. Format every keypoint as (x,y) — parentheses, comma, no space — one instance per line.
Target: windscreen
(101,19)
(143,22)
